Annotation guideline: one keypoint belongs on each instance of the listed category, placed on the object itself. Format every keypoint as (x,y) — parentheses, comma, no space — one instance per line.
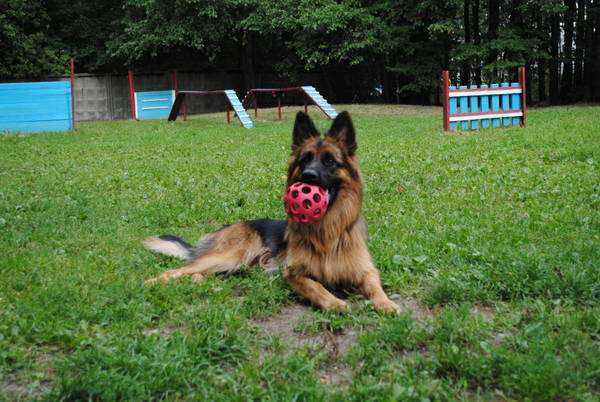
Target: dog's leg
(224,251)
(315,292)
(200,267)
(370,287)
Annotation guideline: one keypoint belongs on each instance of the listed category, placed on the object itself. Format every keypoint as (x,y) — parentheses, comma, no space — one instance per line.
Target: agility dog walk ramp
(238,108)
(233,103)
(320,101)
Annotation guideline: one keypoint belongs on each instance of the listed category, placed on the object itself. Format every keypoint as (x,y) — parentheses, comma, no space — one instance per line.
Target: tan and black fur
(316,257)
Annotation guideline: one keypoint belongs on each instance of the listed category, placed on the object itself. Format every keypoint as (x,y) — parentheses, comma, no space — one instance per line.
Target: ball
(305,203)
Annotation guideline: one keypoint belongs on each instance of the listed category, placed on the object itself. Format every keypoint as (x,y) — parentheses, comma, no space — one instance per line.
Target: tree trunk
(492,34)
(465,71)
(579,49)
(554,62)
(248,61)
(528,75)
(541,64)
(595,53)
(567,77)
(588,63)
(541,81)
(516,21)
(476,41)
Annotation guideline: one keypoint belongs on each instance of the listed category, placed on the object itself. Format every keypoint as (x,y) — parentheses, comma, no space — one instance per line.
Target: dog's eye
(329,161)
(305,159)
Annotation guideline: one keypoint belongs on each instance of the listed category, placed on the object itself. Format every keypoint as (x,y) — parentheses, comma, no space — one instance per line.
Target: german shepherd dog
(328,253)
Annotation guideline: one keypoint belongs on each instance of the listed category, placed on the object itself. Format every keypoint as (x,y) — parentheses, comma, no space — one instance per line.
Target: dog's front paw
(386,306)
(336,304)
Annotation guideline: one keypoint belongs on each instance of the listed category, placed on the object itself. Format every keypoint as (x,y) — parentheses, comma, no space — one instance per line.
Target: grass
(492,240)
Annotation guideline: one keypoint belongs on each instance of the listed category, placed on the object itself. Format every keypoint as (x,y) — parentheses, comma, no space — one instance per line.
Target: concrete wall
(101,97)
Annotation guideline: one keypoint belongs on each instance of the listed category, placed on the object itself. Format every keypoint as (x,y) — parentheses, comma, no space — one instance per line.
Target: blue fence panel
(474,108)
(464,108)
(505,105)
(495,106)
(485,107)
(153,104)
(35,107)
(515,104)
(453,109)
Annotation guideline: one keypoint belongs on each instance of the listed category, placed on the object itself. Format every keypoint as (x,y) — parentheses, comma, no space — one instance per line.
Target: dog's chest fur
(329,258)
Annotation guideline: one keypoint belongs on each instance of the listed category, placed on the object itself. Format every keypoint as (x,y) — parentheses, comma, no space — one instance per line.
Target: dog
(315,257)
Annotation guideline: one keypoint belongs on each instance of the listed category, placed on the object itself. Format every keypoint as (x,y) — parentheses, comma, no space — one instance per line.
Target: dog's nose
(309,176)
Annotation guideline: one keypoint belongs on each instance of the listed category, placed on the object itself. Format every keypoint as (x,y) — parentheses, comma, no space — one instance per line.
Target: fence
(108,97)
(495,105)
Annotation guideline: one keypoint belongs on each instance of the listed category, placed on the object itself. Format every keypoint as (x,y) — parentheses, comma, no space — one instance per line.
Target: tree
(476,41)
(567,75)
(26,45)
(465,73)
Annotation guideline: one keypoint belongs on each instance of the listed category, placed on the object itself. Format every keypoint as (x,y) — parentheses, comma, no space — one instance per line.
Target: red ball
(305,203)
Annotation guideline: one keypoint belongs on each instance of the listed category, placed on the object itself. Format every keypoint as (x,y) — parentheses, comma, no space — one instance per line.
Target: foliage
(354,45)
(26,44)
(324,32)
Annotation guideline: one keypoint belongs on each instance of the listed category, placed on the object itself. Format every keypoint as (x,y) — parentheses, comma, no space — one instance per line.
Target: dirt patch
(335,344)
(486,312)
(411,304)
(164,332)
(31,382)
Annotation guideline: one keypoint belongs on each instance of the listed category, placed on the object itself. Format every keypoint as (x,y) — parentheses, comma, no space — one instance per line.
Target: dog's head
(329,162)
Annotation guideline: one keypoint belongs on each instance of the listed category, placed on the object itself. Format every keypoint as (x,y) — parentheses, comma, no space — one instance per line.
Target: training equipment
(147,105)
(311,96)
(233,103)
(305,203)
(492,105)
(161,104)
(27,107)
(153,104)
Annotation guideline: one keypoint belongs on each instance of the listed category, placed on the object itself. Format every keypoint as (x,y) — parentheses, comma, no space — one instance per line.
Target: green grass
(493,238)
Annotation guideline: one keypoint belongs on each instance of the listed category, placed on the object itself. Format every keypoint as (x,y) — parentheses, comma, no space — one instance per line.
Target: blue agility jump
(496,105)
(153,104)
(28,107)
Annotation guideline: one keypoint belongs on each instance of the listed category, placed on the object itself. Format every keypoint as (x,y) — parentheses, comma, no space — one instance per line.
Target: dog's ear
(304,129)
(343,131)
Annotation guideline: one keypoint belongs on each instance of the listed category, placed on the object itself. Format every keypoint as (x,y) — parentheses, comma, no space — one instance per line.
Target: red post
(523,83)
(445,88)
(228,115)
(73,91)
(132,94)
(174,81)
(279,108)
(255,106)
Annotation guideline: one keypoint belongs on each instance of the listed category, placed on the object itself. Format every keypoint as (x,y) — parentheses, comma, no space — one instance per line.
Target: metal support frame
(523,84)
(445,86)
(72,69)
(252,95)
(131,78)
(180,102)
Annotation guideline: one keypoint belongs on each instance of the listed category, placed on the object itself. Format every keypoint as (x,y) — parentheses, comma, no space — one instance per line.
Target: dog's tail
(175,247)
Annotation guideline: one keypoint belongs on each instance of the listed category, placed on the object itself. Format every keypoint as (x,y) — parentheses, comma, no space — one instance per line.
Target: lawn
(490,241)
